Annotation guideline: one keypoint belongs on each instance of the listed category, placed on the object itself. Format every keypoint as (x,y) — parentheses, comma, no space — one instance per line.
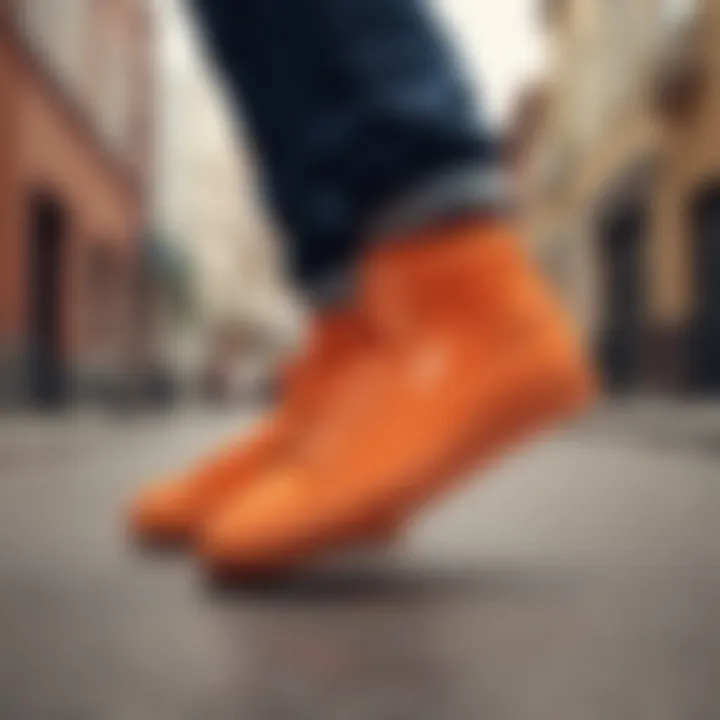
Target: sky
(501,41)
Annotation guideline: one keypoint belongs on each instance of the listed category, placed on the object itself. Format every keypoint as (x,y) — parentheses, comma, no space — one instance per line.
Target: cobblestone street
(580,580)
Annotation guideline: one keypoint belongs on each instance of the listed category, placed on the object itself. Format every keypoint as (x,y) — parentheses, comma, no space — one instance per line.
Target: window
(103,298)
(675,13)
(56,30)
(71,43)
(116,96)
(37,18)
(624,42)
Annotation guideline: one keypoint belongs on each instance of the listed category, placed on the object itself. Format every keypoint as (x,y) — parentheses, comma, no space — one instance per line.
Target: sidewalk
(658,422)
(578,580)
(662,422)
(49,436)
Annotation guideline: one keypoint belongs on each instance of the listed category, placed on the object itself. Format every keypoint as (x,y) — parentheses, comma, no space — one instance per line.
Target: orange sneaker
(170,512)
(467,354)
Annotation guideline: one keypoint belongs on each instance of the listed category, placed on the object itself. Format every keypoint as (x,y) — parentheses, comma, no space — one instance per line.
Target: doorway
(705,326)
(622,233)
(47,228)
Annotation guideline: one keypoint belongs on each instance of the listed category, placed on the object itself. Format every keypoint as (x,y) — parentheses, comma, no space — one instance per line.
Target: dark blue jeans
(351,104)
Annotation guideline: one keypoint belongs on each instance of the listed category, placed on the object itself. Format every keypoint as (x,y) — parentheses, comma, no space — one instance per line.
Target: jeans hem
(454,192)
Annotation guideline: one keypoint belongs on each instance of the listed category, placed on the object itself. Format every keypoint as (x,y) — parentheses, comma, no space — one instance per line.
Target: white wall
(205,190)
(501,44)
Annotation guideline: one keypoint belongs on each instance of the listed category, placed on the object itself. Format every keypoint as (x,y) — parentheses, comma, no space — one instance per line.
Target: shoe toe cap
(261,527)
(162,513)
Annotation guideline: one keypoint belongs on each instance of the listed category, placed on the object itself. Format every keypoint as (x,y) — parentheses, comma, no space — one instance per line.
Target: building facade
(75,145)
(622,180)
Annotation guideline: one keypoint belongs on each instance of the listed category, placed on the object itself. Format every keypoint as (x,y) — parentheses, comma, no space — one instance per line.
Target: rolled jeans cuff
(459,191)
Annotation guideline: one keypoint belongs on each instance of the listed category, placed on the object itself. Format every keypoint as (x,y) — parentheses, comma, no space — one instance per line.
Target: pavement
(578,580)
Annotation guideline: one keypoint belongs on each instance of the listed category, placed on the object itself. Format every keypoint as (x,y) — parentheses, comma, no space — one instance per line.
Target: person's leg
(376,160)
(468,354)
(362,123)
(370,149)
(361,116)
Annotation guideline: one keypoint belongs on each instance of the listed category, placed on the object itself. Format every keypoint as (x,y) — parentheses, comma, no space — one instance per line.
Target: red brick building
(75,133)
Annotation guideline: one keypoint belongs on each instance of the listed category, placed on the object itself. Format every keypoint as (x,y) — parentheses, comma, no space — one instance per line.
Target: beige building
(621,172)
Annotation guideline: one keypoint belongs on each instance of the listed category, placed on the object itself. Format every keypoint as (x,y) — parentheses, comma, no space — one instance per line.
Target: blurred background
(618,153)
(139,270)
(138,265)
(135,263)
